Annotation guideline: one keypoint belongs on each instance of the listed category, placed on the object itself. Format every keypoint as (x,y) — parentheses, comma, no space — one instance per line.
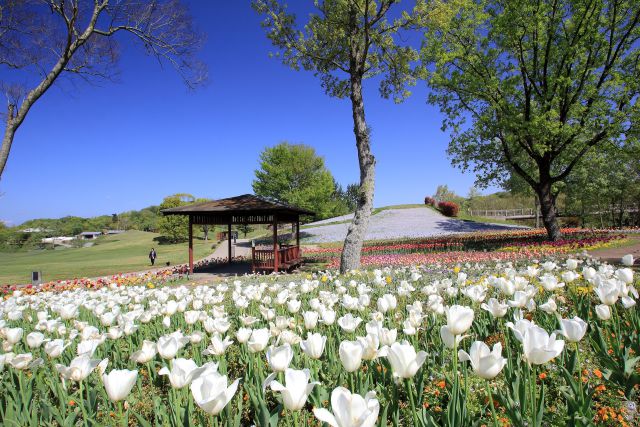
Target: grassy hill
(119,253)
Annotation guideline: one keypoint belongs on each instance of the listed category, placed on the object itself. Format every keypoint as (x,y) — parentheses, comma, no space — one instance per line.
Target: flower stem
(82,407)
(532,386)
(412,401)
(493,409)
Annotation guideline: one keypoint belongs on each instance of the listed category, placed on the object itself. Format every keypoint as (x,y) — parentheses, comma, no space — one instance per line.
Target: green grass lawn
(119,253)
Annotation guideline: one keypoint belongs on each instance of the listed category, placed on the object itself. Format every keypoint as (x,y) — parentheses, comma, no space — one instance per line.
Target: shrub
(429,201)
(448,208)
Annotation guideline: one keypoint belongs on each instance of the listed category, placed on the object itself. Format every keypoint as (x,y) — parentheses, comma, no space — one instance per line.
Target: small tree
(296,175)
(544,83)
(245,229)
(174,228)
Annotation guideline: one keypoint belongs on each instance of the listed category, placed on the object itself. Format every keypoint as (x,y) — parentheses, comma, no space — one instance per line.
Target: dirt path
(613,255)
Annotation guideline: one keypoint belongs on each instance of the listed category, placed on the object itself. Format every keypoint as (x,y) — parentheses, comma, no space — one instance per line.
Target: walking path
(399,223)
(613,255)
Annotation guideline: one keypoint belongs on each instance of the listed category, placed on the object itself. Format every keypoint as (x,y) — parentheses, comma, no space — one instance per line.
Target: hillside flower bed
(552,342)
(155,278)
(473,247)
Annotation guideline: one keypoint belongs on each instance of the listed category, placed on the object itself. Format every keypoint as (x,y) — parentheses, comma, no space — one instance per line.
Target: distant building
(109,232)
(59,241)
(36,230)
(89,235)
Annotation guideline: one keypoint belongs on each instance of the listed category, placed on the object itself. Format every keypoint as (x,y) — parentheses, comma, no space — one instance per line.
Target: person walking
(152,256)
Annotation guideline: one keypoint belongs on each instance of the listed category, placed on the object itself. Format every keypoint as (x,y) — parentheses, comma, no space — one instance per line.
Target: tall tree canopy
(42,40)
(344,42)
(543,83)
(295,174)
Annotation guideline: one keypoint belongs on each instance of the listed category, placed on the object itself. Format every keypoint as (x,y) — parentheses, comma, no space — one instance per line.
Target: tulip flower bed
(507,343)
(472,247)
(153,278)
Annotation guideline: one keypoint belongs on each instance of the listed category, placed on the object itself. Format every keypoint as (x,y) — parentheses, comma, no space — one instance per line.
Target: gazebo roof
(239,205)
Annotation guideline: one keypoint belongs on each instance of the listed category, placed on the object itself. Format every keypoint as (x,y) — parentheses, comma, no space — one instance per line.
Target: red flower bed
(449,208)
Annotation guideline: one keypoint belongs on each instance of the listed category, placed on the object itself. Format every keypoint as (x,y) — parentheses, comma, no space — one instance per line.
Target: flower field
(473,247)
(492,343)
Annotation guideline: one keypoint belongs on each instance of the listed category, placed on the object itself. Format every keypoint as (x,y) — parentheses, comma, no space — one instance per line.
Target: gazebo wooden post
(229,242)
(298,233)
(190,244)
(275,243)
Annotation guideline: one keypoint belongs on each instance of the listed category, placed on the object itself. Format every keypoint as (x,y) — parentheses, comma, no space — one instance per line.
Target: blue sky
(90,150)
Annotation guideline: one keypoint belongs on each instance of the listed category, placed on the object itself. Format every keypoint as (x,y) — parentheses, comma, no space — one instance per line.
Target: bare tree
(43,40)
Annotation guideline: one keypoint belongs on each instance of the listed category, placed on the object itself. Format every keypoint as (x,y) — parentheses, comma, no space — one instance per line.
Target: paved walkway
(400,223)
(613,255)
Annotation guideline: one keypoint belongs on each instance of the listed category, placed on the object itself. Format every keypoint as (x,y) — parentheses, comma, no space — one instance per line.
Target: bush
(429,201)
(448,208)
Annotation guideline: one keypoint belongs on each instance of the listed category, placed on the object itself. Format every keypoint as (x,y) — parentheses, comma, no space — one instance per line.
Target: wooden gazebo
(248,209)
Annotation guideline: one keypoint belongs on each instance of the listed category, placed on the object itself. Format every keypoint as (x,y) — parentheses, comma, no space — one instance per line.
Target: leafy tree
(604,190)
(245,229)
(343,43)
(45,40)
(443,194)
(544,83)
(296,175)
(175,228)
(351,196)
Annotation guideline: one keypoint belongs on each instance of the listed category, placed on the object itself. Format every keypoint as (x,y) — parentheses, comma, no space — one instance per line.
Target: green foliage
(605,189)
(296,175)
(245,229)
(174,228)
(339,32)
(443,194)
(544,83)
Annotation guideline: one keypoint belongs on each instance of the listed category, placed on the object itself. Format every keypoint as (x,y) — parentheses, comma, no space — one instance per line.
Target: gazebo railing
(264,259)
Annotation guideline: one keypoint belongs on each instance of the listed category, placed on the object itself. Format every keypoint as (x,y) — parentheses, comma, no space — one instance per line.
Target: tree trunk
(352,248)
(548,209)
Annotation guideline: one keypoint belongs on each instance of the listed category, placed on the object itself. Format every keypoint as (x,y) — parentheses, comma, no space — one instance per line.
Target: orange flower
(597,372)
(441,384)
(542,376)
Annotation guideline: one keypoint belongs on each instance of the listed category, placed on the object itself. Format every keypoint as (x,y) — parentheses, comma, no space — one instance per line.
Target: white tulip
(169,345)
(119,383)
(210,392)
(485,363)
(13,335)
(296,388)
(279,358)
(350,410)
(459,319)
(603,312)
(350,355)
(313,346)
(55,348)
(310,319)
(146,353)
(259,340)
(79,368)
(183,371)
(243,335)
(627,260)
(539,347)
(349,323)
(495,307)
(573,329)
(35,339)
(404,360)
